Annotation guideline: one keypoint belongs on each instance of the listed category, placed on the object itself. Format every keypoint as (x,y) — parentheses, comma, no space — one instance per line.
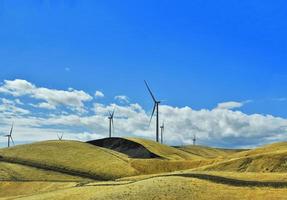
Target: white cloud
(46,106)
(17,87)
(122,98)
(229,105)
(99,94)
(52,98)
(10,106)
(221,126)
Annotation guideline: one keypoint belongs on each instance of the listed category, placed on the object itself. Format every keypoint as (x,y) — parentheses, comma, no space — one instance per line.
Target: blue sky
(193,53)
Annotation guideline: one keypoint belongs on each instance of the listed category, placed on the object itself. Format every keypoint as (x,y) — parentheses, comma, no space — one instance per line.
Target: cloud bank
(62,111)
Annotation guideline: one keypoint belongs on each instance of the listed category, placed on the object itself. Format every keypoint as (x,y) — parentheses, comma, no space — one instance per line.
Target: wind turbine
(111,122)
(161,132)
(155,107)
(194,139)
(60,137)
(9,136)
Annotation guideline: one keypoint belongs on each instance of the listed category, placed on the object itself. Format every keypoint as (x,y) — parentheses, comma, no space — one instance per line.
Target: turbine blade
(152,113)
(11,131)
(12,140)
(150,91)
(113,113)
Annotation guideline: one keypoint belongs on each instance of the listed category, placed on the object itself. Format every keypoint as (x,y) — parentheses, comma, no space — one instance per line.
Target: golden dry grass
(71,157)
(16,172)
(162,188)
(154,166)
(10,189)
(165,151)
(208,152)
(265,162)
(201,168)
(275,147)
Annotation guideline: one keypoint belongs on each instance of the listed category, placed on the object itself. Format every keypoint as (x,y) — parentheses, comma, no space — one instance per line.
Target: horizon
(65,64)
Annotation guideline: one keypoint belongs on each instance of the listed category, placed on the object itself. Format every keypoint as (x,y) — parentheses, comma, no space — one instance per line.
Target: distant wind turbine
(111,122)
(161,132)
(155,107)
(60,137)
(194,139)
(9,136)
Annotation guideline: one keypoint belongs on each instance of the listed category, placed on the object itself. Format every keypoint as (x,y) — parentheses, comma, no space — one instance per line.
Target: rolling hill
(208,152)
(128,147)
(71,157)
(164,151)
(162,187)
(131,168)
(269,158)
(17,172)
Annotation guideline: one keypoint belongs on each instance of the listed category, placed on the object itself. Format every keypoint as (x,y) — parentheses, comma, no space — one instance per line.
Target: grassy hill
(174,173)
(14,190)
(164,151)
(208,152)
(162,187)
(275,147)
(125,146)
(71,157)
(17,172)
(269,158)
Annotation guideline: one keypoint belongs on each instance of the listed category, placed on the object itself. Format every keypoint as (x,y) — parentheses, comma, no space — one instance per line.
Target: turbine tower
(9,136)
(111,122)
(194,139)
(161,132)
(155,108)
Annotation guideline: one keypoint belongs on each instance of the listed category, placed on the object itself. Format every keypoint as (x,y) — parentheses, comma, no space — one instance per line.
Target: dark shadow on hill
(128,147)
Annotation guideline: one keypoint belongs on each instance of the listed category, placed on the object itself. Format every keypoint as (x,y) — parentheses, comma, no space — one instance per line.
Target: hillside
(17,172)
(162,187)
(208,152)
(76,170)
(269,158)
(164,151)
(71,157)
(125,146)
(275,147)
